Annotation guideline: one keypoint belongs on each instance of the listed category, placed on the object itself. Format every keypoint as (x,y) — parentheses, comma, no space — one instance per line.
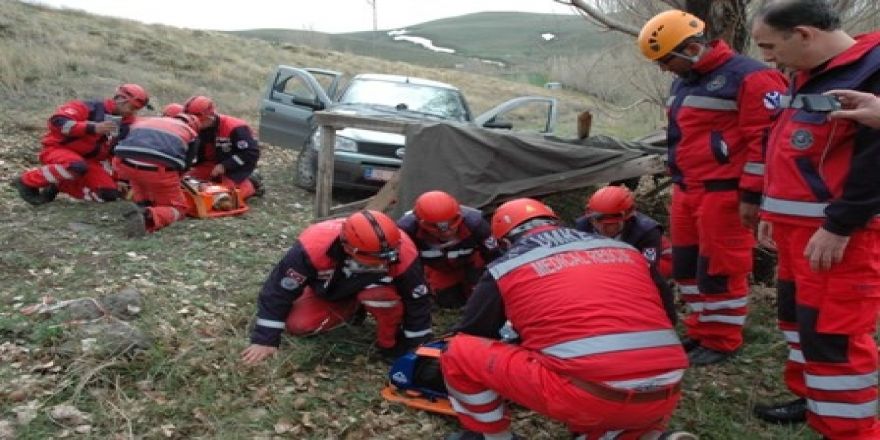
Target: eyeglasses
(666,59)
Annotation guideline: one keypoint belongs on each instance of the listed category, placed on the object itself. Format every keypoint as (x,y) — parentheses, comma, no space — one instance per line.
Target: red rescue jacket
(230,142)
(719,119)
(167,141)
(315,261)
(72,126)
(588,304)
(821,171)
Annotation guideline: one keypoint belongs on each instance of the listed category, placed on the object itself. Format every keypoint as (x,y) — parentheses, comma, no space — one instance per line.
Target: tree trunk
(725,19)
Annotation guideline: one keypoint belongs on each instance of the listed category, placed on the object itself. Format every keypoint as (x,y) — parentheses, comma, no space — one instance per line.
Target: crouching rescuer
(597,348)
(75,156)
(334,268)
(152,159)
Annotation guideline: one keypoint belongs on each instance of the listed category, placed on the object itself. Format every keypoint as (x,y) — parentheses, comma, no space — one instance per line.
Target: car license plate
(378,174)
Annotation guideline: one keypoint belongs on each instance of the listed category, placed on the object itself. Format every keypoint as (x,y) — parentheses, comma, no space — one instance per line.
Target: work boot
(257,182)
(701,356)
(787,413)
(689,344)
(677,435)
(49,193)
(27,193)
(135,221)
(471,435)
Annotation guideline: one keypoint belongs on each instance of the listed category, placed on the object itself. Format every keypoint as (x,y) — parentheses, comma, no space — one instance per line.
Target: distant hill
(512,38)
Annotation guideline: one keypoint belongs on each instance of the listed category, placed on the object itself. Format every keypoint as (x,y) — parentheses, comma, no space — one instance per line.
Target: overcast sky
(318,15)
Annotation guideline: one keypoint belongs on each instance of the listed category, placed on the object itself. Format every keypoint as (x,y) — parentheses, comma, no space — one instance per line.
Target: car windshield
(444,103)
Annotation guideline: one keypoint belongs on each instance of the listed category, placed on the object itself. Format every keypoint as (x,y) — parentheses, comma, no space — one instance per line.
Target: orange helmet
(371,238)
(192,121)
(611,204)
(514,213)
(199,105)
(666,30)
(133,94)
(438,213)
(172,110)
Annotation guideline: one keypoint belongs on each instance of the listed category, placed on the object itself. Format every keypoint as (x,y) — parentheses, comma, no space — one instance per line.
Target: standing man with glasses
(820,207)
(720,112)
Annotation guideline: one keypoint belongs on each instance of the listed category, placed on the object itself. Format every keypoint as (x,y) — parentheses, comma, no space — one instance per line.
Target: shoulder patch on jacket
(292,280)
(772,100)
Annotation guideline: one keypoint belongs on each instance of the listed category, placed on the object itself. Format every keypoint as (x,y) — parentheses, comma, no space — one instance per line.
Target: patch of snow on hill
(400,35)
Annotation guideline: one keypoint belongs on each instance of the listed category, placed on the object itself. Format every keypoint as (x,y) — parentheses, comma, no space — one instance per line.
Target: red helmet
(371,238)
(438,213)
(192,121)
(516,212)
(134,94)
(611,204)
(172,110)
(199,106)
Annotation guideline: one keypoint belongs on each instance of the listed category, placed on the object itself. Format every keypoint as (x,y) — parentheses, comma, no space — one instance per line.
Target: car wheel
(306,169)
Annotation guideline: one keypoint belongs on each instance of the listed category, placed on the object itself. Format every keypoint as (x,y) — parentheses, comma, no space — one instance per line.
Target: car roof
(404,79)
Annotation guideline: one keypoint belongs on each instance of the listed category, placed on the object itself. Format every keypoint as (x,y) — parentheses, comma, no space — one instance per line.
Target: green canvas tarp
(484,167)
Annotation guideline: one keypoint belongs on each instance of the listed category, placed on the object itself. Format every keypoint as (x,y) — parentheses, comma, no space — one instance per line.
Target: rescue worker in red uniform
(720,112)
(76,149)
(597,347)
(454,243)
(611,211)
(228,152)
(333,268)
(152,159)
(820,207)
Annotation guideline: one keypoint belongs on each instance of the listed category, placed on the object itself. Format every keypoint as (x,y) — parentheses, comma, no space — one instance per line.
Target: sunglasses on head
(374,258)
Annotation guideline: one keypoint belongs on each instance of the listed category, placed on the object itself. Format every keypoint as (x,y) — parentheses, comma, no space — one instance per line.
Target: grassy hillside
(199,279)
(513,38)
(378,45)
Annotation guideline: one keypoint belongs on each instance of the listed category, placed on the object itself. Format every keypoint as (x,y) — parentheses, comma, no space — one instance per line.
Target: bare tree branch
(597,15)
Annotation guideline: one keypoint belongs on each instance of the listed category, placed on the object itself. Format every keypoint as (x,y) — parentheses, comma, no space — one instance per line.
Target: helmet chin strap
(695,58)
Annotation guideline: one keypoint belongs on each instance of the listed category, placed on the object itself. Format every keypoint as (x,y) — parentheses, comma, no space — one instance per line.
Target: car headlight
(342,143)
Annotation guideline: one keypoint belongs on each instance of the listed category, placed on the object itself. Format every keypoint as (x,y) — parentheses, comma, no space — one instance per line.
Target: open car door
(535,114)
(293,96)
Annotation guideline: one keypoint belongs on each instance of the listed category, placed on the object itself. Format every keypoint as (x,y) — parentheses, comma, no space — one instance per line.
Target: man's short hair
(784,15)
